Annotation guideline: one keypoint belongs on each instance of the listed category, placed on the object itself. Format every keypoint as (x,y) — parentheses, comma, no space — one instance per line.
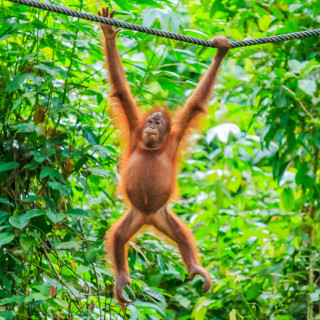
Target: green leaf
(287,200)
(200,309)
(27,127)
(6,238)
(134,313)
(36,296)
(6,315)
(216,6)
(55,217)
(252,240)
(63,304)
(308,86)
(315,296)
(152,14)
(37,157)
(25,242)
(16,82)
(147,305)
(3,216)
(77,212)
(14,299)
(81,162)
(316,8)
(295,6)
(83,269)
(34,213)
(290,248)
(53,71)
(317,138)
(64,190)
(104,153)
(264,22)
(51,173)
(31,198)
(253,291)
(5,166)
(74,245)
(155,294)
(296,66)
(175,20)
(5,201)
(19,222)
(90,136)
(100,172)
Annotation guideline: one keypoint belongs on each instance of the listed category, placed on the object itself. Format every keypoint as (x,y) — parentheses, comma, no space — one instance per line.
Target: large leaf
(63,189)
(16,300)
(253,291)
(16,82)
(34,213)
(5,201)
(6,238)
(264,22)
(90,136)
(25,242)
(19,222)
(308,86)
(77,212)
(287,199)
(27,127)
(51,173)
(53,71)
(55,217)
(8,166)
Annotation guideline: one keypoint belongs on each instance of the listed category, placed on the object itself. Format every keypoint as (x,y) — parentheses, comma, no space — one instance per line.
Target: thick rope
(165,34)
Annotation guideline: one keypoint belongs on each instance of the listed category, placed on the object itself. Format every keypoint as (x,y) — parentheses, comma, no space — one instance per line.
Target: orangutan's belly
(148,180)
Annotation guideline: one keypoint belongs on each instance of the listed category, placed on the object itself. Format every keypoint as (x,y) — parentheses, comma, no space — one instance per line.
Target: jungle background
(249,181)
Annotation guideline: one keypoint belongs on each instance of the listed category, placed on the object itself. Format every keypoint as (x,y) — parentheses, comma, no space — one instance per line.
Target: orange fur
(148,174)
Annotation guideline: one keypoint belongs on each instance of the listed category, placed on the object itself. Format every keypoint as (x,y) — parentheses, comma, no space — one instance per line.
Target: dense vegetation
(249,187)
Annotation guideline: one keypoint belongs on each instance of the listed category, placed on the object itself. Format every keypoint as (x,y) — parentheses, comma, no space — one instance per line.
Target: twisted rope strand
(165,34)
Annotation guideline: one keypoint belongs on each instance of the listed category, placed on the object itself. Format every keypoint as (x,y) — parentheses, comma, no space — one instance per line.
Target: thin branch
(300,103)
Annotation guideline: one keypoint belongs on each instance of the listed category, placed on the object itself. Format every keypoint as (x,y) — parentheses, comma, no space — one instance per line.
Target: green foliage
(249,187)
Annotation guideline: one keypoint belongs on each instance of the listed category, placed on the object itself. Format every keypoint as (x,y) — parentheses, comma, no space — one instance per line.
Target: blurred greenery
(249,187)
